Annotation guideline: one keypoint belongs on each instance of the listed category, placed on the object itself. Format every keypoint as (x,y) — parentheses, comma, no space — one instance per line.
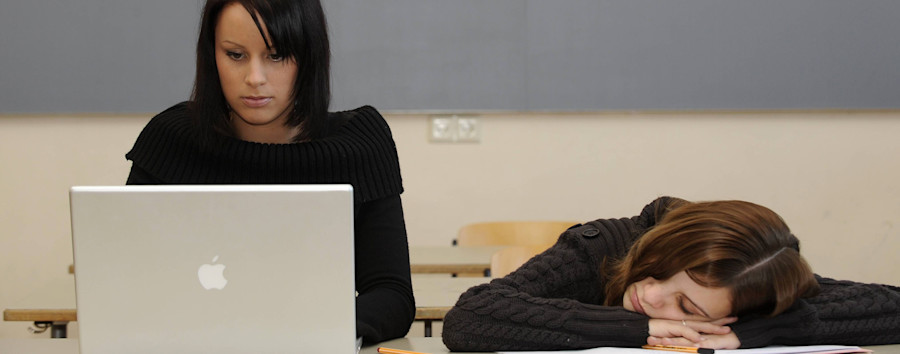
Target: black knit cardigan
(554,302)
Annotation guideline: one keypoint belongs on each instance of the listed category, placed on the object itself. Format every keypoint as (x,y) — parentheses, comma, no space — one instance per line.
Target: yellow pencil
(384,350)
(675,348)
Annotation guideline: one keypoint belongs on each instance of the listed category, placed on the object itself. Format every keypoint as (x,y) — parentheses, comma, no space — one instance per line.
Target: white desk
(431,345)
(423,345)
(70,346)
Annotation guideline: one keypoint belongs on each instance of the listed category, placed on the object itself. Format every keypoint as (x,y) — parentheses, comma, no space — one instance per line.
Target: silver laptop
(214,269)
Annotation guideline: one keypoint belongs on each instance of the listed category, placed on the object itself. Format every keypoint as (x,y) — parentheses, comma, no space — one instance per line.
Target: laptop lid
(224,269)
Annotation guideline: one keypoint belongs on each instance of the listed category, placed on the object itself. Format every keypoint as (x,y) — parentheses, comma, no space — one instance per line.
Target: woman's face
(256,81)
(677,298)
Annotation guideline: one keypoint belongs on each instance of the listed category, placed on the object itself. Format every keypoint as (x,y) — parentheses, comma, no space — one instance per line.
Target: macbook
(214,269)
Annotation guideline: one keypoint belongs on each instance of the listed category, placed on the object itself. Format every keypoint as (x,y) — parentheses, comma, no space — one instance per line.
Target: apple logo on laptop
(212,275)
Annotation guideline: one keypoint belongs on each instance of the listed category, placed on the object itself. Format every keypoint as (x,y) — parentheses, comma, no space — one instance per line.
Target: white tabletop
(418,344)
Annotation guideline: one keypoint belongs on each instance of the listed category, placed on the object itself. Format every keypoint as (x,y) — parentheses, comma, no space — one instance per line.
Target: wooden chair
(512,233)
(535,235)
(507,260)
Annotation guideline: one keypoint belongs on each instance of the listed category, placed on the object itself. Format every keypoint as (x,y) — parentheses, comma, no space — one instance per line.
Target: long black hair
(298,32)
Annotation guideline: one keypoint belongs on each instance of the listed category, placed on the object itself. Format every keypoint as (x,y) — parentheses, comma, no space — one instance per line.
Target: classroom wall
(832,176)
(525,55)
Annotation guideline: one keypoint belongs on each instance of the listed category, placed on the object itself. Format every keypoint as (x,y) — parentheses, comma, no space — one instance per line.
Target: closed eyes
(681,303)
(684,301)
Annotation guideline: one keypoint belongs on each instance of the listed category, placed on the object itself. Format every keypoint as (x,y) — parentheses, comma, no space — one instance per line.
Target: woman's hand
(715,334)
(712,341)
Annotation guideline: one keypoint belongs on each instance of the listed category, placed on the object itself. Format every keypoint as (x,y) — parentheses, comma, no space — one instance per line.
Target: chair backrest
(512,233)
(507,260)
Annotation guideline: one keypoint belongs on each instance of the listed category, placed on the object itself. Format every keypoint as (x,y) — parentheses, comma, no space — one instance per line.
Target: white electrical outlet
(454,129)
(443,129)
(468,130)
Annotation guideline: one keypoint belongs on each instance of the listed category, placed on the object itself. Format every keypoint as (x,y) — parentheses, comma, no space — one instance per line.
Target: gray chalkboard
(138,56)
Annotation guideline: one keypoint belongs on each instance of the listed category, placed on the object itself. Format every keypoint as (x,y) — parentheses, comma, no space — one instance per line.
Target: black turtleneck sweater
(358,150)
(554,302)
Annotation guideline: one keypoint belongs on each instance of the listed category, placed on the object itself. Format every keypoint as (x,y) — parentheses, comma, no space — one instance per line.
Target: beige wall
(832,175)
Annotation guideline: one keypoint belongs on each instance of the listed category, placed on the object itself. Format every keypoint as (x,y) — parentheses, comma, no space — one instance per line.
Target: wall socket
(455,129)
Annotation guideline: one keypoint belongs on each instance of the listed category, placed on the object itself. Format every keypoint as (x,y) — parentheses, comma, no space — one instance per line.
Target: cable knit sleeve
(552,301)
(844,312)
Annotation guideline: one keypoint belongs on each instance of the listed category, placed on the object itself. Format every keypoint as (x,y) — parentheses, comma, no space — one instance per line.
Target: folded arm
(844,312)
(550,303)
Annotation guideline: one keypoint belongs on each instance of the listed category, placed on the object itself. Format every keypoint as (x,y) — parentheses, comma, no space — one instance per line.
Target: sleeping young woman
(722,275)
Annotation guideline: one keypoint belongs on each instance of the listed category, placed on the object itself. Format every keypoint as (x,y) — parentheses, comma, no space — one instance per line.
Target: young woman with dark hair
(295,36)
(258,115)
(723,274)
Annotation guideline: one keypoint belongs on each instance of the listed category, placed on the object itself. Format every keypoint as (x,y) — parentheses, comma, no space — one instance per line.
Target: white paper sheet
(817,349)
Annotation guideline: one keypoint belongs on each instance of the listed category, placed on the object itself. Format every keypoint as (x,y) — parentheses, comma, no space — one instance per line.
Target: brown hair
(738,245)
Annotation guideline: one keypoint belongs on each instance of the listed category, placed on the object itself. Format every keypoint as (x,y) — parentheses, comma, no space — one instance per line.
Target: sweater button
(590,233)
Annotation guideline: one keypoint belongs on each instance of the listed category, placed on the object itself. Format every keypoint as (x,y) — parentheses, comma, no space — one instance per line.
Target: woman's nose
(256,75)
(653,295)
